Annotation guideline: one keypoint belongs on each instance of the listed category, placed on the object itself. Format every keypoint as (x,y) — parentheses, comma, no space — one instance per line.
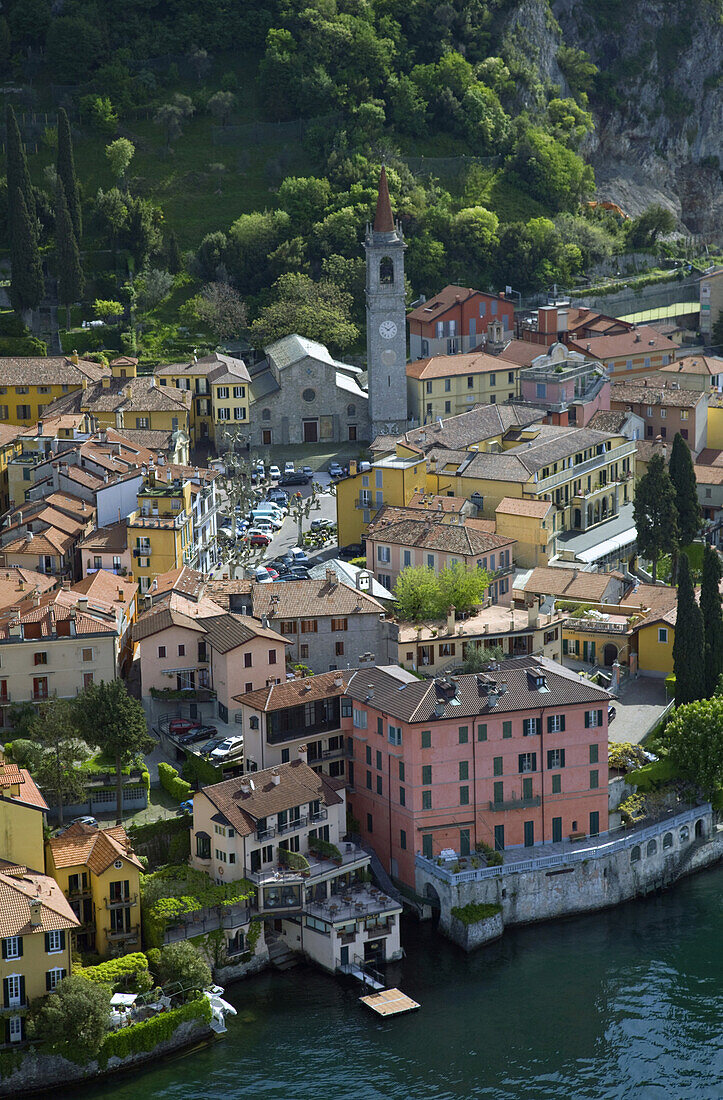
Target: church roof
(383,219)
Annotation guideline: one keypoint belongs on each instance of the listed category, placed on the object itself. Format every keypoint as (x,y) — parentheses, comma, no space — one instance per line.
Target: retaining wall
(470,936)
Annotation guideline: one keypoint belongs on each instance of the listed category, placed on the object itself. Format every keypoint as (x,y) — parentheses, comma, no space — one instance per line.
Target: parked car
(254,537)
(262,576)
(307,470)
(353,550)
(204,750)
(274,473)
(225,747)
(278,496)
(181,725)
(186,807)
(295,479)
(611,712)
(336,470)
(289,468)
(226,532)
(321,524)
(295,556)
(85,820)
(197,733)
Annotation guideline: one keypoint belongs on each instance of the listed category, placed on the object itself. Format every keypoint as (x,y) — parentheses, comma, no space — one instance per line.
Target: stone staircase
(281,956)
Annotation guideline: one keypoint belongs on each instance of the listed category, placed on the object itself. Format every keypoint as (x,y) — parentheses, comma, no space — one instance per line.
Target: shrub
(22,345)
(293,860)
(126,972)
(324,848)
(473,912)
(632,809)
(652,775)
(145,1036)
(171,781)
(493,857)
(623,756)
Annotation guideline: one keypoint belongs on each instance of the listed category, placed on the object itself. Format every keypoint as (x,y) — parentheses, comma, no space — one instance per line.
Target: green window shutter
(6,993)
(587,719)
(538,726)
(549,724)
(592,651)
(507,729)
(497,765)
(464,796)
(534,761)
(5,949)
(426,739)
(527,788)
(562,723)
(20,944)
(564,647)
(22,988)
(47,981)
(482,732)
(599,717)
(557,784)
(47,942)
(562,758)
(499,792)
(62,941)
(463,769)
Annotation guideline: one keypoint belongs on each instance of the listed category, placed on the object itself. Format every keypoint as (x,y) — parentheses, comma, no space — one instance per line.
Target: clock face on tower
(388,330)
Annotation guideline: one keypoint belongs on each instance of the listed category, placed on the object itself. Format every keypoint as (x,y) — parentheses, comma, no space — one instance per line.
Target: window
(507,729)
(161,651)
(426,800)
(88,679)
(427,775)
(309,626)
(428,387)
(52,978)
(497,765)
(556,723)
(402,797)
(463,735)
(339,649)
(531,727)
(663,414)
(288,628)
(406,558)
(141,422)
(41,658)
(370,824)
(384,554)
(401,770)
(23,412)
(663,634)
(498,792)
(395,735)
(402,839)
(557,784)
(593,719)
(428,846)
(379,761)
(239,413)
(87,654)
(369,781)
(181,651)
(360,719)
(379,784)
(594,780)
(464,796)
(555,758)
(12,947)
(223,393)
(464,769)
(15,1029)
(380,726)
(426,739)
(594,754)
(470,383)
(239,391)
(224,414)
(527,762)
(482,732)
(338,624)
(448,406)
(248,660)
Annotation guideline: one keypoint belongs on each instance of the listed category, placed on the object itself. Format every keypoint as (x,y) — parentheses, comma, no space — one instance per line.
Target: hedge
(126,969)
(196,769)
(171,781)
(652,775)
(15,346)
(293,860)
(473,912)
(324,848)
(146,1036)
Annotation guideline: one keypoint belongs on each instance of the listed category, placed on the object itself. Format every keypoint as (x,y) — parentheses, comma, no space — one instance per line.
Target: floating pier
(389,1002)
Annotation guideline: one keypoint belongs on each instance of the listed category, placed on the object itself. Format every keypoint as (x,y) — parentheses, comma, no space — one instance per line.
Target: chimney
(121,597)
(74,357)
(532,614)
(265,621)
(40,427)
(36,911)
(105,382)
(276,778)
(245,786)
(83,604)
(330,576)
(29,536)
(450,619)
(303,756)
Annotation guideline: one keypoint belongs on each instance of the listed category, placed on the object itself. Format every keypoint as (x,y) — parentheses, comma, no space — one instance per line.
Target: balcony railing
(515,804)
(39,696)
(117,935)
(267,833)
(362,502)
(115,903)
(80,892)
(569,473)
(320,815)
(292,826)
(584,626)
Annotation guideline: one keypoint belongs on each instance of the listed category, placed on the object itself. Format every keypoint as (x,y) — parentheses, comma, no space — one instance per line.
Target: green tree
(18,176)
(689,643)
(62,752)
(119,154)
(554,174)
(462,588)
(417,593)
(643,231)
(220,308)
(153,286)
(67,254)
(578,69)
(181,962)
(319,311)
(251,240)
(480,657)
(695,739)
(65,167)
(26,271)
(173,254)
(682,475)
(171,116)
(107,309)
(305,200)
(655,514)
(74,1021)
(710,607)
(107,716)
(221,105)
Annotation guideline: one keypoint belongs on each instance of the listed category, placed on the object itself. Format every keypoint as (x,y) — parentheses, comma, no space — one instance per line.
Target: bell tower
(386,319)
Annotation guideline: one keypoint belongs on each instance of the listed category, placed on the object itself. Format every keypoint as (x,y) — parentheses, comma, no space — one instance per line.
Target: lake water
(627,1003)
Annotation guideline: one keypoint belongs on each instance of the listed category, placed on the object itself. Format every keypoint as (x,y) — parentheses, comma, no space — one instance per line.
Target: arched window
(652,848)
(266,414)
(386,271)
(667,841)
(684,834)
(351,410)
(635,854)
(699,828)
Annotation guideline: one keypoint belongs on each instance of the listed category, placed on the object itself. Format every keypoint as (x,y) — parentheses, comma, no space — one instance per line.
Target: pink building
(399,538)
(569,386)
(514,757)
(106,548)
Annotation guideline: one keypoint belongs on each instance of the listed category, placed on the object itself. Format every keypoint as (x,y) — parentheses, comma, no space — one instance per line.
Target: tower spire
(383,219)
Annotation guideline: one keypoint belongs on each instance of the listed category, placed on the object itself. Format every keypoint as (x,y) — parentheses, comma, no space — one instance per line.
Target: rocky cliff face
(658,104)
(658,99)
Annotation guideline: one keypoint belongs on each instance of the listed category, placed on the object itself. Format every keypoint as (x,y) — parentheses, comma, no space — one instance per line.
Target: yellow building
(218,389)
(653,644)
(447,385)
(22,815)
(124,399)
(29,385)
(530,522)
(160,532)
(392,480)
(98,872)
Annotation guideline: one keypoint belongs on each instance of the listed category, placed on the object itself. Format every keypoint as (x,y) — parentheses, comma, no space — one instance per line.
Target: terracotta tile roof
(293,693)
(424,700)
(472,427)
(18,584)
(30,793)
(132,395)
(208,365)
(709,456)
(52,425)
(572,584)
(242,807)
(449,366)
(188,582)
(696,364)
(512,506)
(646,448)
(223,592)
(18,890)
(226,632)
(97,849)
(310,599)
(708,475)
(107,588)
(447,299)
(640,341)
(395,525)
(48,542)
(642,393)
(51,370)
(66,502)
(9,433)
(426,502)
(83,477)
(9,774)
(112,538)
(521,352)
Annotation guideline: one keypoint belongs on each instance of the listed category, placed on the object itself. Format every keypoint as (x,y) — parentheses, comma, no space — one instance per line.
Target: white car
(274,473)
(289,468)
(262,576)
(226,747)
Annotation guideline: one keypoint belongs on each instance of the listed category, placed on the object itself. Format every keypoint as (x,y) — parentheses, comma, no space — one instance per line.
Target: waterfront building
(98,872)
(514,757)
(283,829)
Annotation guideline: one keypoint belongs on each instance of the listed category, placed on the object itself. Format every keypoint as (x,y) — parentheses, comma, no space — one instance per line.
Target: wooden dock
(389,1002)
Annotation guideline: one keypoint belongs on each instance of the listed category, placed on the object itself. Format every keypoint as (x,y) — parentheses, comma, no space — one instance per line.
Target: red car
(256,538)
(181,725)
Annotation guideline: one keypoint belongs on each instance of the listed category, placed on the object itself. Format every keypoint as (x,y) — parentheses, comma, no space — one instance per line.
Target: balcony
(357,903)
(116,903)
(515,804)
(569,473)
(267,833)
(362,502)
(117,936)
(320,815)
(80,893)
(40,696)
(141,551)
(292,826)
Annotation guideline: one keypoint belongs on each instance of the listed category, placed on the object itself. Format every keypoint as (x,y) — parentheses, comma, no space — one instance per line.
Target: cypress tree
(682,475)
(689,644)
(66,172)
(26,270)
(175,262)
(18,175)
(710,607)
(654,512)
(70,272)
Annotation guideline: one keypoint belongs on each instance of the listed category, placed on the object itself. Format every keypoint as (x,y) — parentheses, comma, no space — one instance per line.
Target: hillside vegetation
(257,130)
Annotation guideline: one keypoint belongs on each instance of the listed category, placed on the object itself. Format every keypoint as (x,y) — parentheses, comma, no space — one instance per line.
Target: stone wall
(470,936)
(45,1071)
(648,860)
